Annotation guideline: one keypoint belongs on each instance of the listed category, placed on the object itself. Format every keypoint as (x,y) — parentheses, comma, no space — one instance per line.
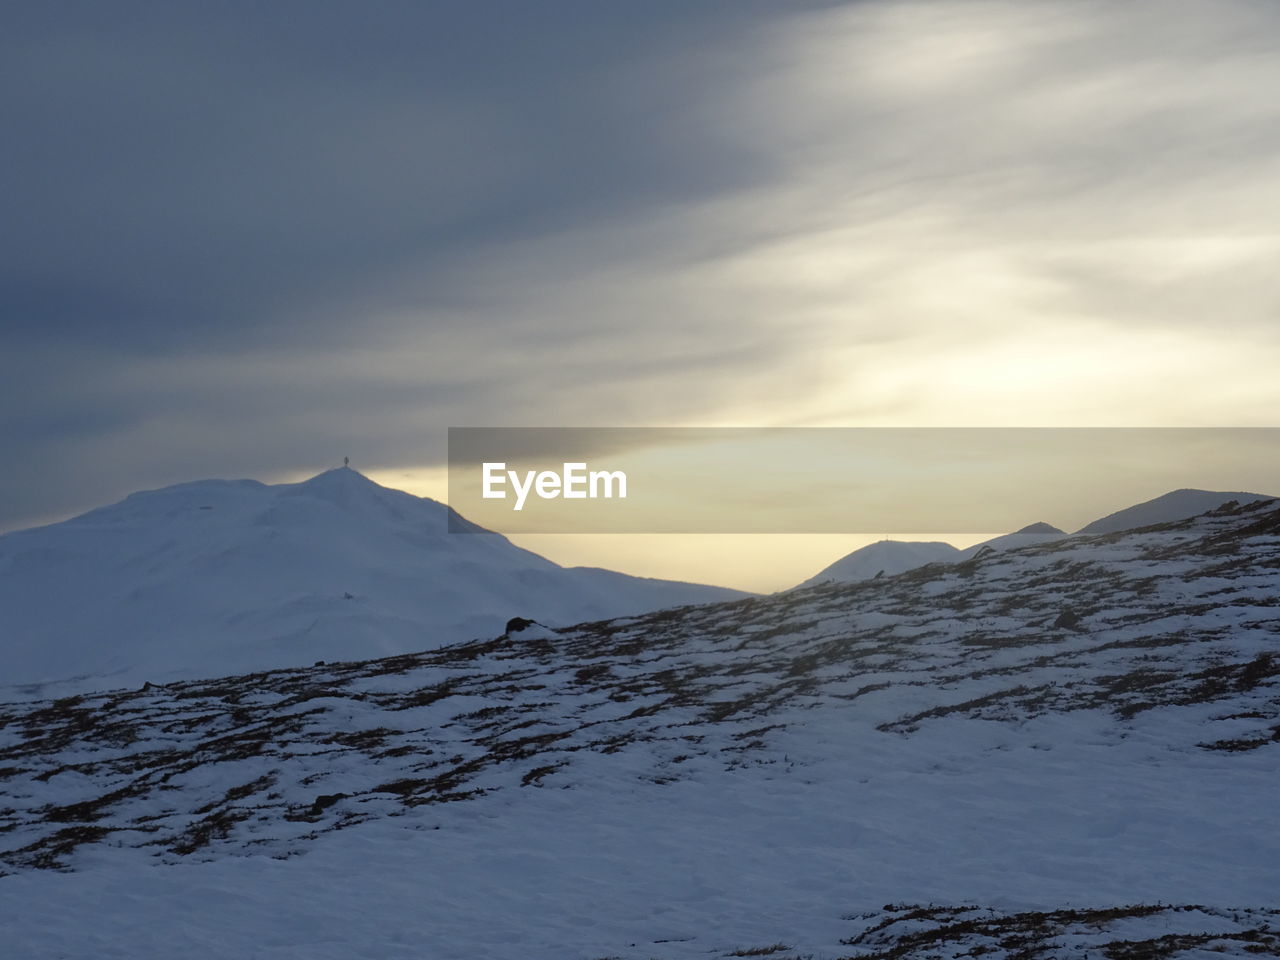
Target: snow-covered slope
(1175,505)
(1063,751)
(219,577)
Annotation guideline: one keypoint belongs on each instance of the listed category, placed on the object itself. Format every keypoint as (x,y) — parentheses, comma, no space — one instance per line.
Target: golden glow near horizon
(976,214)
(430,482)
(908,213)
(761,563)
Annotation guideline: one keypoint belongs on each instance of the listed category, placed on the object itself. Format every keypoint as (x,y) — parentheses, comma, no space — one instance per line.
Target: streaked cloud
(254,240)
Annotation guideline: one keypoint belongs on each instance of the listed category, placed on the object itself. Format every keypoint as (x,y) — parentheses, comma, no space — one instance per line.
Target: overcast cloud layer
(248,239)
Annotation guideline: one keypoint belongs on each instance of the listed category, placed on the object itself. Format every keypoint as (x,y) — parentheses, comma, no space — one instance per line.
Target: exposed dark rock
(1067,620)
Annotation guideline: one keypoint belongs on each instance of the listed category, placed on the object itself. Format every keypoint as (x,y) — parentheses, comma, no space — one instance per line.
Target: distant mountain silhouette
(1176,505)
(898,556)
(888,557)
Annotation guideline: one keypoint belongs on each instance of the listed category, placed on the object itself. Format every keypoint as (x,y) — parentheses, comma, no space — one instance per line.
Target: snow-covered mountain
(890,557)
(898,556)
(227,576)
(1026,537)
(1175,505)
(887,558)
(1063,751)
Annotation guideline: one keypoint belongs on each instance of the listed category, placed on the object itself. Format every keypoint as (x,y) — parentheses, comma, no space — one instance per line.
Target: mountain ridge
(1174,505)
(1179,504)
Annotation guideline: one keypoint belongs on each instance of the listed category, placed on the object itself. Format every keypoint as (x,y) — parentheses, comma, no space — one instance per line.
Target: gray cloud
(179,175)
(223,193)
(249,239)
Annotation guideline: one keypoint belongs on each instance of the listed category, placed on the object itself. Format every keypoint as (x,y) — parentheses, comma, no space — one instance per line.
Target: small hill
(889,557)
(1028,536)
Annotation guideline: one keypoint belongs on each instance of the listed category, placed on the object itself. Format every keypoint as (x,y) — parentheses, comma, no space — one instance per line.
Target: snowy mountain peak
(354,493)
(337,473)
(340,478)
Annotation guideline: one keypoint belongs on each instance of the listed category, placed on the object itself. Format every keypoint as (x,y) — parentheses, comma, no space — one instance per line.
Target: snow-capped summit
(219,576)
(347,487)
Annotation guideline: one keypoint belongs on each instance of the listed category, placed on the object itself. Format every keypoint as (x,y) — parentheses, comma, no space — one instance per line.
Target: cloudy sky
(247,239)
